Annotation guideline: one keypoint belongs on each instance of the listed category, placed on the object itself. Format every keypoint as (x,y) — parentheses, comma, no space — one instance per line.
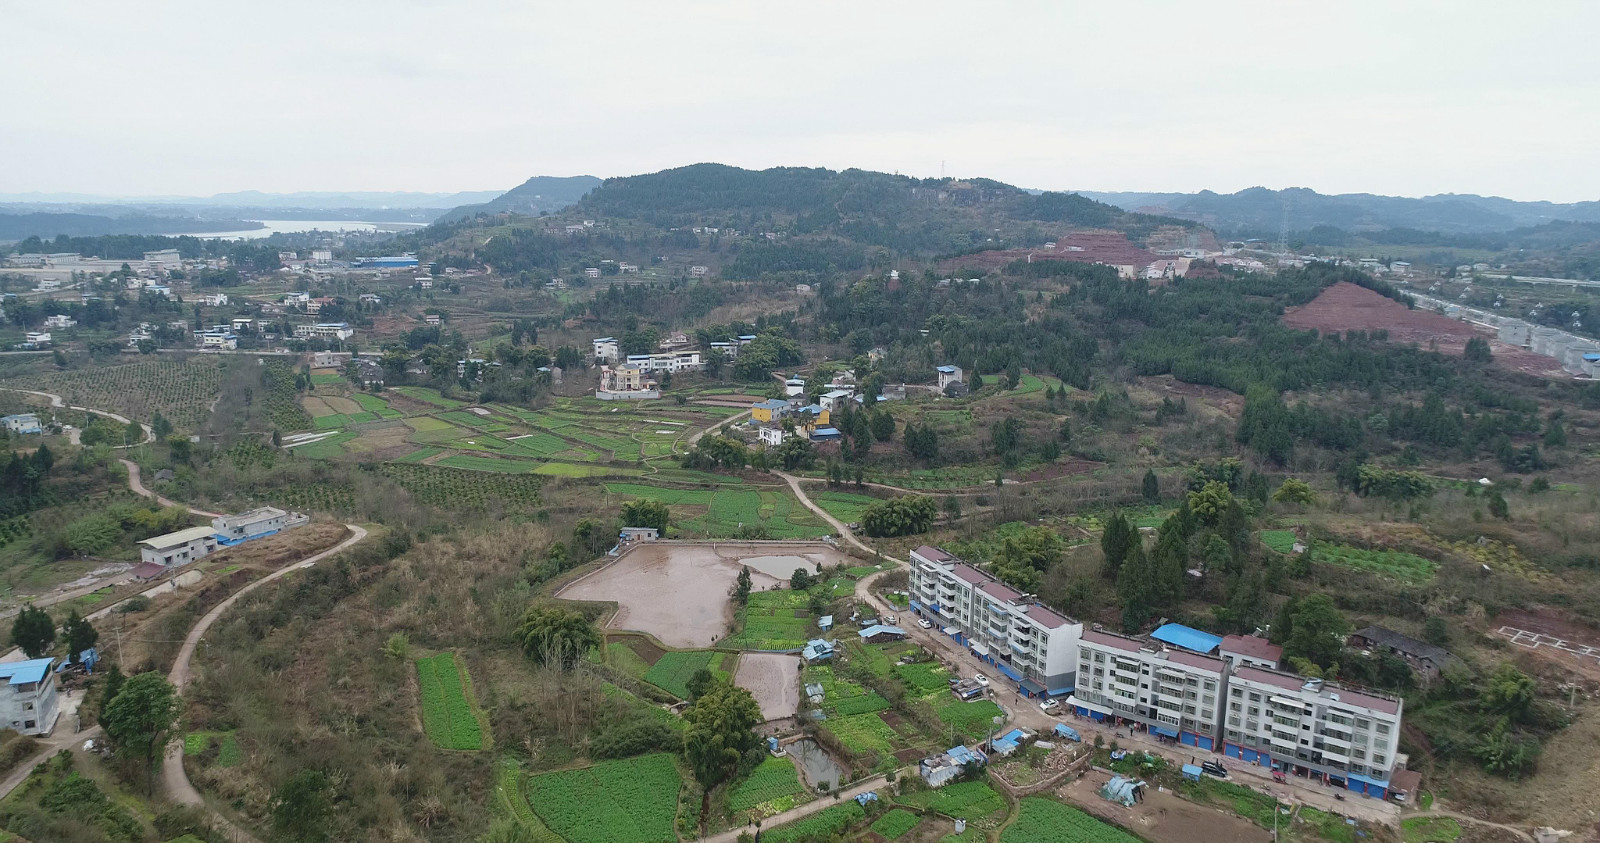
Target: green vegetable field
(629,801)
(895,824)
(672,672)
(774,781)
(967,800)
(1046,821)
(820,825)
(1407,567)
(447,715)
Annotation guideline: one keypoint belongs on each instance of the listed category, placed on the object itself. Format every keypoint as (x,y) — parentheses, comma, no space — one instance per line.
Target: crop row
(774,778)
(966,800)
(447,716)
(1046,821)
(819,826)
(180,391)
(629,801)
(1394,563)
(673,671)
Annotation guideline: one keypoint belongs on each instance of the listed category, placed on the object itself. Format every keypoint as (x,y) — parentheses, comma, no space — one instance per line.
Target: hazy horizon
(190,99)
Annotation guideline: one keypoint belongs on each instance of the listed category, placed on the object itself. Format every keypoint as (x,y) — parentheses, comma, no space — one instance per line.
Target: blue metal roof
(880,629)
(26,673)
(947,369)
(1188,638)
(1591,357)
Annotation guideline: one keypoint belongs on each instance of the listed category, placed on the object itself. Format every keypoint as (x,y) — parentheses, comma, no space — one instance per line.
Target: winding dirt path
(173,776)
(806,810)
(135,483)
(57,402)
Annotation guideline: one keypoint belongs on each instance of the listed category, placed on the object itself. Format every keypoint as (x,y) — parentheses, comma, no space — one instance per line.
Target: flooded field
(680,592)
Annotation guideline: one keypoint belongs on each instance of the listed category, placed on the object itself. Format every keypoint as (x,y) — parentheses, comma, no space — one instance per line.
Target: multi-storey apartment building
(1025,640)
(1174,693)
(1311,727)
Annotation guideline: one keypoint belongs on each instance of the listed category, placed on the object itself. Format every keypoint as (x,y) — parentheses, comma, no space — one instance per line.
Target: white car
(1049,706)
(981,679)
(925,623)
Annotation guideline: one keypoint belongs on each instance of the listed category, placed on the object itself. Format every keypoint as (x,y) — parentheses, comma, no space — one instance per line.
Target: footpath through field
(801,812)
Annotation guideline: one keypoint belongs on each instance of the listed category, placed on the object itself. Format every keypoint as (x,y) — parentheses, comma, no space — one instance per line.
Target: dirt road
(135,483)
(173,776)
(57,402)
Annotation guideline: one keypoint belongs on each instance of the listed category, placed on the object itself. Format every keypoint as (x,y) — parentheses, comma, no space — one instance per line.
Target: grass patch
(1396,564)
(1281,541)
(973,719)
(1430,830)
(472,463)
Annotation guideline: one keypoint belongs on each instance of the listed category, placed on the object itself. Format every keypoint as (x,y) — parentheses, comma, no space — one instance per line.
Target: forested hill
(1261,212)
(913,216)
(538,194)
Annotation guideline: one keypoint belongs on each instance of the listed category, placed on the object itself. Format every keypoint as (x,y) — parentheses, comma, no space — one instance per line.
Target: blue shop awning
(1168,731)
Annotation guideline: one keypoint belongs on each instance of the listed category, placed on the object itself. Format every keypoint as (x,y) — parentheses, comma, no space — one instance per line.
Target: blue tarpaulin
(1065,731)
(1191,772)
(1015,676)
(1188,638)
(1164,730)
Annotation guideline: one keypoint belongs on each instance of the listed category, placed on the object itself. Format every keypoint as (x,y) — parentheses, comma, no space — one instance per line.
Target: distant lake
(298,226)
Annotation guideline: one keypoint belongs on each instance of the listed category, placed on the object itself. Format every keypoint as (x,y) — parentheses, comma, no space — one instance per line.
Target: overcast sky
(1394,97)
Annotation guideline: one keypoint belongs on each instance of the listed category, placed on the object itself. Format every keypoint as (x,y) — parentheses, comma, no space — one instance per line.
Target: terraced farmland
(180,390)
(1396,564)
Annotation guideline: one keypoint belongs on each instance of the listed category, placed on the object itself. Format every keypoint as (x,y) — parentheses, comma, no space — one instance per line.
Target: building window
(1383,728)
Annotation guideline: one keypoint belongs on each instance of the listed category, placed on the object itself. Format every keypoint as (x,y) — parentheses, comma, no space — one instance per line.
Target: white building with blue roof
(29,704)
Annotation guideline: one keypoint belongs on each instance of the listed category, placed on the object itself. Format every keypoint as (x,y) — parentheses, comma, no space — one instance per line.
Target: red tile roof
(1253,646)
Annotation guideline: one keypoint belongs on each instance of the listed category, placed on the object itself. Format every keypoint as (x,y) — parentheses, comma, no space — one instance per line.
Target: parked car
(1049,706)
(1212,768)
(981,679)
(890,620)
(925,623)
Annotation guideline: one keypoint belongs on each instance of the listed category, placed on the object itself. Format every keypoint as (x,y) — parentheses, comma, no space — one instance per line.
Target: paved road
(173,776)
(1023,712)
(806,810)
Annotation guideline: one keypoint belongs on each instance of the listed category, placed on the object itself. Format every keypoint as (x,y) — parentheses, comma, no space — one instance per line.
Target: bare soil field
(1161,817)
(1548,635)
(342,405)
(1347,307)
(773,679)
(679,592)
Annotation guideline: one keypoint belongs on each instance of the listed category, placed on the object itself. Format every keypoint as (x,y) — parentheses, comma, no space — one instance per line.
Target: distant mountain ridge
(1260,212)
(540,193)
(311,199)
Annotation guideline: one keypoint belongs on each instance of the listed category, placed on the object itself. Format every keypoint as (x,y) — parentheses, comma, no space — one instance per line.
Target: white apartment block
(1024,640)
(325,330)
(670,361)
(1311,727)
(1175,693)
(605,348)
(248,525)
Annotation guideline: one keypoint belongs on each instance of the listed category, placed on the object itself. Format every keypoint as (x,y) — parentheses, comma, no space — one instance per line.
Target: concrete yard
(680,592)
(774,680)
